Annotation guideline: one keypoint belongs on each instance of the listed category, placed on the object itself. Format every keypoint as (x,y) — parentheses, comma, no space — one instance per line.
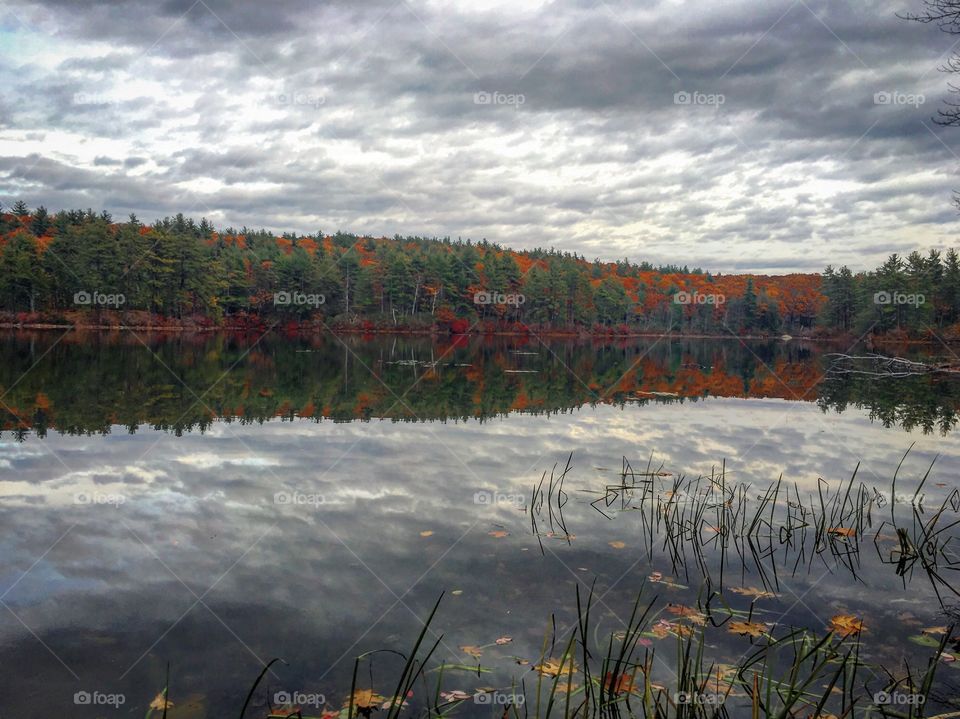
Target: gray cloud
(362,116)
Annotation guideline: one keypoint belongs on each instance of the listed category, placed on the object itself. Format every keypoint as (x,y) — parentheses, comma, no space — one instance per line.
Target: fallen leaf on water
(457,592)
(472,650)
(947,658)
(564,687)
(522,662)
(504,640)
(681,611)
(934,630)
(655,577)
(842,531)
(498,533)
(661,629)
(752,592)
(455,695)
(621,684)
(158,702)
(552,667)
(364,699)
(426,533)
(754,629)
(846,625)
(617,544)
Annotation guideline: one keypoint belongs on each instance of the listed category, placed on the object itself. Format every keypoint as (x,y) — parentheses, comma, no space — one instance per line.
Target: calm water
(215,502)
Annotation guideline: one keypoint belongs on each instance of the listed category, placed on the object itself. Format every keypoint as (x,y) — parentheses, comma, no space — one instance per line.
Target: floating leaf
(457,592)
(472,650)
(504,640)
(754,629)
(364,699)
(687,612)
(455,695)
(924,640)
(934,630)
(552,667)
(846,625)
(426,533)
(842,531)
(617,544)
(621,684)
(158,702)
(753,592)
(498,533)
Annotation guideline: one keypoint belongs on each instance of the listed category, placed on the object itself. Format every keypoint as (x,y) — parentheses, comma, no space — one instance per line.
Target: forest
(79,267)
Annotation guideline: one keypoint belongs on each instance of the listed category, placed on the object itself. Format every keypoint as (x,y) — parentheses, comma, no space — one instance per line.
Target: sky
(735,136)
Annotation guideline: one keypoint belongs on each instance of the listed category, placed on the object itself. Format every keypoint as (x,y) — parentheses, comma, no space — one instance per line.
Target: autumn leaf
(426,533)
(498,533)
(617,544)
(754,629)
(690,613)
(846,625)
(752,592)
(364,699)
(552,667)
(455,695)
(472,650)
(934,630)
(158,702)
(621,684)
(842,531)
(504,640)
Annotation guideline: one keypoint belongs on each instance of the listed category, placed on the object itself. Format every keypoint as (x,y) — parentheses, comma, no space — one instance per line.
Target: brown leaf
(504,640)
(617,544)
(752,592)
(846,625)
(754,629)
(498,533)
(472,650)
(426,533)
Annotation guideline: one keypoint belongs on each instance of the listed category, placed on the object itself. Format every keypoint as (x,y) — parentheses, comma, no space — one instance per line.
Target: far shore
(173,328)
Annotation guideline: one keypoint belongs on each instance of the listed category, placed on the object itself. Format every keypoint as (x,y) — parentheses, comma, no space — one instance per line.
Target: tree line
(66,265)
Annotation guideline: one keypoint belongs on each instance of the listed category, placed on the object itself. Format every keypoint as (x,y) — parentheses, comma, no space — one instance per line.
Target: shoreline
(432,332)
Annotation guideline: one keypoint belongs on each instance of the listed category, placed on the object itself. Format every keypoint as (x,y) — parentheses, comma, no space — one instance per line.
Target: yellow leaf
(158,701)
(552,667)
(426,533)
(846,624)
(617,544)
(754,629)
(472,650)
(752,592)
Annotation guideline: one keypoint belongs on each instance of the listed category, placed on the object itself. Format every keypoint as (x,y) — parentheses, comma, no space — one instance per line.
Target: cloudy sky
(769,137)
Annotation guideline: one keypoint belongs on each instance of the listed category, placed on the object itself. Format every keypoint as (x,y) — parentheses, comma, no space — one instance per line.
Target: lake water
(216,501)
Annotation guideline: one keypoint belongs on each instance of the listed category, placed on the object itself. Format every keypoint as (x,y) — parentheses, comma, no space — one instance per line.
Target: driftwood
(880,366)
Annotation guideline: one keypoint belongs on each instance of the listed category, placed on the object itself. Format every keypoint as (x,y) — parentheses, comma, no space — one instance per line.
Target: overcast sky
(731,135)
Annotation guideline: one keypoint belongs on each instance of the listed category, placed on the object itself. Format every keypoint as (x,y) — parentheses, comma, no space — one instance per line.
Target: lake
(214,501)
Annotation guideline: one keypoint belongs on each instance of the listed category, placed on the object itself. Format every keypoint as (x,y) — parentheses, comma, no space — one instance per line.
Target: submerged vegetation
(181,270)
